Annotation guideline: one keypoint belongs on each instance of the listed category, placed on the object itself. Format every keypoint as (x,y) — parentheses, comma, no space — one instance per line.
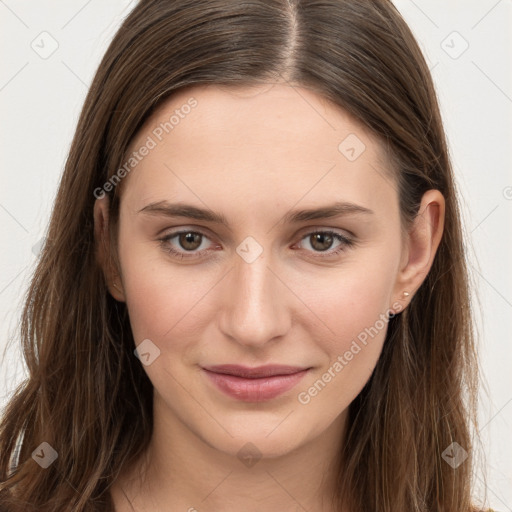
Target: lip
(254,384)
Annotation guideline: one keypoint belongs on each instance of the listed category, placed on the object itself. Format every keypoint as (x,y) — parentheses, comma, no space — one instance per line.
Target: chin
(272,436)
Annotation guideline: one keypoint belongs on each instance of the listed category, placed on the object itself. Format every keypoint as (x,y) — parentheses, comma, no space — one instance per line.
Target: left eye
(319,239)
(191,241)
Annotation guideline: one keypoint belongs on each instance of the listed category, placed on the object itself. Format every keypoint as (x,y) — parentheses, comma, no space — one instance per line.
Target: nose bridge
(255,310)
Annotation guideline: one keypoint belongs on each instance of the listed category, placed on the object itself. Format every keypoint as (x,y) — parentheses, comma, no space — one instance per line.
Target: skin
(254,154)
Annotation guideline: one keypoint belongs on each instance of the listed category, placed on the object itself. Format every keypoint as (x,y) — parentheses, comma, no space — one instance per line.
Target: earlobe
(101,231)
(422,243)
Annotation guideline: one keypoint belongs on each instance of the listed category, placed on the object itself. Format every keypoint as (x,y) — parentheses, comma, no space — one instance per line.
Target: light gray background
(41,98)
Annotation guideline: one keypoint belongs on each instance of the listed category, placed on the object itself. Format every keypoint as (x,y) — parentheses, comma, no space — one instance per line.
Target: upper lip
(270,370)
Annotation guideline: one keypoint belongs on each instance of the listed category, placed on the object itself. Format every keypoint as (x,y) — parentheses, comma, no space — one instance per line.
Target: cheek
(352,299)
(164,307)
(161,299)
(355,310)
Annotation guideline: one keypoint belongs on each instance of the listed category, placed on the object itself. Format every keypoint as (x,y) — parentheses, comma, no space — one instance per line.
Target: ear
(102,240)
(420,247)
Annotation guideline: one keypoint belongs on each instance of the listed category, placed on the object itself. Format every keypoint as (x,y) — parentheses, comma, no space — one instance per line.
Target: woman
(192,344)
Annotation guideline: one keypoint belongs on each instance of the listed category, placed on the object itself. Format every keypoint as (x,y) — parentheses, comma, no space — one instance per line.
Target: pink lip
(254,384)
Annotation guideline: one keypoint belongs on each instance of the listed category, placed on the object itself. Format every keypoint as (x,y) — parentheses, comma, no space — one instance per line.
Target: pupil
(189,239)
(323,238)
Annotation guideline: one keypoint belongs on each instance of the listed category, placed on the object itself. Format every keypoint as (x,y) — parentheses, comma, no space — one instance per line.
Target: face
(243,278)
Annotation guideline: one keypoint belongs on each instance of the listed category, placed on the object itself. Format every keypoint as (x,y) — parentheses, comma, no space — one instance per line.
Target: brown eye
(186,244)
(189,241)
(321,241)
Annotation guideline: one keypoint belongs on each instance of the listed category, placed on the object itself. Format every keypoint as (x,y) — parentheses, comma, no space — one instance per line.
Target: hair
(90,398)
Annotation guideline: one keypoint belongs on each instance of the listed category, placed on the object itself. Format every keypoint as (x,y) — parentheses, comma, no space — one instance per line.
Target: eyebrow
(172,210)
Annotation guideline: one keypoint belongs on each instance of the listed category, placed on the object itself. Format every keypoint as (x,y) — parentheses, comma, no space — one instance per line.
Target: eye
(188,240)
(322,241)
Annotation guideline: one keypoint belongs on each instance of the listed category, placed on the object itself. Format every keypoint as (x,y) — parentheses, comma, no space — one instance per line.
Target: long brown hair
(86,394)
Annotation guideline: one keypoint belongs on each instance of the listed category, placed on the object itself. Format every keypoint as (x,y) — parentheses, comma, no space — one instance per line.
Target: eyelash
(345,243)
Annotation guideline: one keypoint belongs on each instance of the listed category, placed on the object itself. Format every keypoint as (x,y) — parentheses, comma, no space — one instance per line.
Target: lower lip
(254,390)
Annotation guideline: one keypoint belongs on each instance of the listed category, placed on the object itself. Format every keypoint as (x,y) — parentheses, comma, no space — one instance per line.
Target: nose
(255,303)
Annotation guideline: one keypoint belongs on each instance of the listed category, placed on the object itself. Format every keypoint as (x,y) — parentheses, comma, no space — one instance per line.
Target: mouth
(254,384)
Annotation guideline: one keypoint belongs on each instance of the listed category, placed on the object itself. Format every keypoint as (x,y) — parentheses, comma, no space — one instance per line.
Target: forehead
(276,140)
